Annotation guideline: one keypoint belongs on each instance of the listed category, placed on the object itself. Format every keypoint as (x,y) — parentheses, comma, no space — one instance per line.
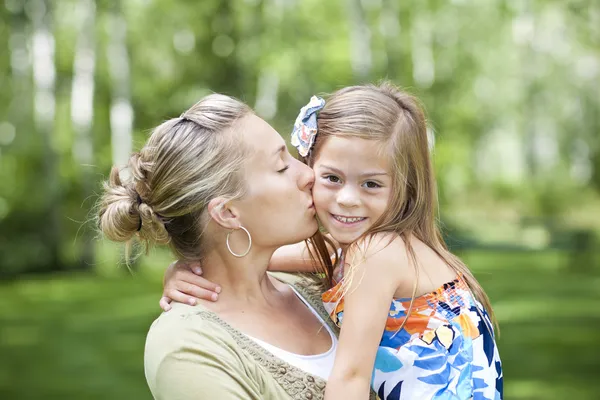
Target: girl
(415,323)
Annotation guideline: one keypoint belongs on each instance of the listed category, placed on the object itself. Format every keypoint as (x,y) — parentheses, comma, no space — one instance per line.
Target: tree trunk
(267,86)
(82,113)
(44,77)
(390,25)
(360,41)
(121,111)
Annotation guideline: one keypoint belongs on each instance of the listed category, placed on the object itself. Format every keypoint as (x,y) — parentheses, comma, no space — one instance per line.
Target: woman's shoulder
(184,343)
(186,326)
(183,317)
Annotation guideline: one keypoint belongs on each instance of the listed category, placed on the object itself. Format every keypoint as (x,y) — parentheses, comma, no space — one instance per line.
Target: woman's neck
(242,280)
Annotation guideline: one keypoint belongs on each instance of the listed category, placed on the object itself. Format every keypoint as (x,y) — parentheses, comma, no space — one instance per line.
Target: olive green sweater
(192,354)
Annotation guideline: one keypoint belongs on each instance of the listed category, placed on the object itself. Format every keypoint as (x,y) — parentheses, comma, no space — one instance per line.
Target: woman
(216,184)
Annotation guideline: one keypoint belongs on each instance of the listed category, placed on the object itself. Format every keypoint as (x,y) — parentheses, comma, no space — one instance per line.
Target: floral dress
(446,349)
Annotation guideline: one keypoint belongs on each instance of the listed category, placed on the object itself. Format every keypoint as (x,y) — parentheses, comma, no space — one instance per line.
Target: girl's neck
(341,246)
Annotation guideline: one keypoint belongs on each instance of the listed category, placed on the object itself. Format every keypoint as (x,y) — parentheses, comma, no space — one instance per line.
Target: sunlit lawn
(82,336)
(550,324)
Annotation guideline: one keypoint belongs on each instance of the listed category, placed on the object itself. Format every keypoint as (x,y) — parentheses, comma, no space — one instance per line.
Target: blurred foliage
(511,90)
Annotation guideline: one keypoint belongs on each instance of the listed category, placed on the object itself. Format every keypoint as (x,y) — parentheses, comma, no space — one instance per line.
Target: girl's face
(352,186)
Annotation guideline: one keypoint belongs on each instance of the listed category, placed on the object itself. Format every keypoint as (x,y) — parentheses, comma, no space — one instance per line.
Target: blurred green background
(512,90)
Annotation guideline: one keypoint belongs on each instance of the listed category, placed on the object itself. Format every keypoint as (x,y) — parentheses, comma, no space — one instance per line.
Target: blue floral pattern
(445,350)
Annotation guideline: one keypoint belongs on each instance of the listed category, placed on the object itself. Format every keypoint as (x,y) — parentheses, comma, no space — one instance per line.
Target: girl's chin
(343,238)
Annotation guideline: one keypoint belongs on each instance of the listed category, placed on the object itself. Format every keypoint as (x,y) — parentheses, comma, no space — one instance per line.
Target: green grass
(82,336)
(75,337)
(549,321)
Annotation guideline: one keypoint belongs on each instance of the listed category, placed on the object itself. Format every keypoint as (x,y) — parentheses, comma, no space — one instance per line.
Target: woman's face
(278,207)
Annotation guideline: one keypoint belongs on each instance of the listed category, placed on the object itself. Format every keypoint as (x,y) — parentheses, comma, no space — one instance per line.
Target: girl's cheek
(317,190)
(319,196)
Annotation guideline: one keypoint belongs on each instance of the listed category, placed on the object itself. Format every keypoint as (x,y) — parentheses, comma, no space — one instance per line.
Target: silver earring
(249,243)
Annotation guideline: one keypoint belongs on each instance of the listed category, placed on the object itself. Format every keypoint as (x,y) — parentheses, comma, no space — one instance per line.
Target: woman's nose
(307,177)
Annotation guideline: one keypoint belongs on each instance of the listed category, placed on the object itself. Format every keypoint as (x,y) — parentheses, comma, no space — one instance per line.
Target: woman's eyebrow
(279,149)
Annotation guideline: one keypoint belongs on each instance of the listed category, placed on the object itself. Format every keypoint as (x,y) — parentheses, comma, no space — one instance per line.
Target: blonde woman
(219,185)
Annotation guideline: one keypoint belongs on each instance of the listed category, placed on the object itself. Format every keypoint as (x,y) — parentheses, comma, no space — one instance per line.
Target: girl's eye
(372,185)
(283,169)
(332,178)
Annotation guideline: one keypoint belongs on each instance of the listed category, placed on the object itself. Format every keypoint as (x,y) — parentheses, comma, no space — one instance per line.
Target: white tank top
(319,364)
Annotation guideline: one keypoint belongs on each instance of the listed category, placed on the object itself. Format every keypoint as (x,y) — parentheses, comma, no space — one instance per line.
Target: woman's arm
(371,287)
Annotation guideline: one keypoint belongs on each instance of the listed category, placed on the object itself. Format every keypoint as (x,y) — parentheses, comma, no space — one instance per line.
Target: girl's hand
(183,283)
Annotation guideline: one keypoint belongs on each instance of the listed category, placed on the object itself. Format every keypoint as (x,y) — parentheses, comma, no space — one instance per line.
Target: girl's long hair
(396,120)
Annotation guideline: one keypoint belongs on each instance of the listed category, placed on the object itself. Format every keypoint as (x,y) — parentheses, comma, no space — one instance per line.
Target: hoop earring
(249,243)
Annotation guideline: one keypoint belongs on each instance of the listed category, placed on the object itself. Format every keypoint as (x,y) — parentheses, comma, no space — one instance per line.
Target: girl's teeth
(348,220)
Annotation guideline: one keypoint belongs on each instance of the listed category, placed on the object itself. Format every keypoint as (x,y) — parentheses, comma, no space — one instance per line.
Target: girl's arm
(371,288)
(183,282)
(295,258)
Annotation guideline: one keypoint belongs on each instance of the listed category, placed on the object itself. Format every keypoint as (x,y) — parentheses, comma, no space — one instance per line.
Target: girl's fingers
(195,267)
(180,297)
(197,291)
(164,303)
(200,282)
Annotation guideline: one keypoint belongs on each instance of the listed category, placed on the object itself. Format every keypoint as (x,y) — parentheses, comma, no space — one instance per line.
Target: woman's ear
(222,214)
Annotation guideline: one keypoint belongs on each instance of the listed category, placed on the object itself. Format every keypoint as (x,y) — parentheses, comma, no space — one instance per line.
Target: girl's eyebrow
(373,174)
(365,174)
(337,171)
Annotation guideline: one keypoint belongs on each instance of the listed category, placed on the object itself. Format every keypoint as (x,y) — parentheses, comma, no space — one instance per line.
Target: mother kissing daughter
(415,322)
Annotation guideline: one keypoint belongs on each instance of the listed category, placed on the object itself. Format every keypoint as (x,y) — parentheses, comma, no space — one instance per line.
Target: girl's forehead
(352,154)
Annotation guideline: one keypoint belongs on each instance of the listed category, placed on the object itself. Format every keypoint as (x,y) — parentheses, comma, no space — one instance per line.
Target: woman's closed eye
(281,171)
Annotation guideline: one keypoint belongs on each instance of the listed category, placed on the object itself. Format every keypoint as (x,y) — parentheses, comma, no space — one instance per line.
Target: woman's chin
(314,229)
(306,232)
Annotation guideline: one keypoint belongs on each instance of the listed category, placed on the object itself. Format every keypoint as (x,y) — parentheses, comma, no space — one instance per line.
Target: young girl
(415,323)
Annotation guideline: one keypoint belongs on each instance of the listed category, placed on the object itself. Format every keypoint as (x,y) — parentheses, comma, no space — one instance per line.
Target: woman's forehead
(261,138)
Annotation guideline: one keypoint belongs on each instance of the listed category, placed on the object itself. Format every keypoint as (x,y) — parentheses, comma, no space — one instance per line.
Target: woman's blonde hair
(186,162)
(396,120)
